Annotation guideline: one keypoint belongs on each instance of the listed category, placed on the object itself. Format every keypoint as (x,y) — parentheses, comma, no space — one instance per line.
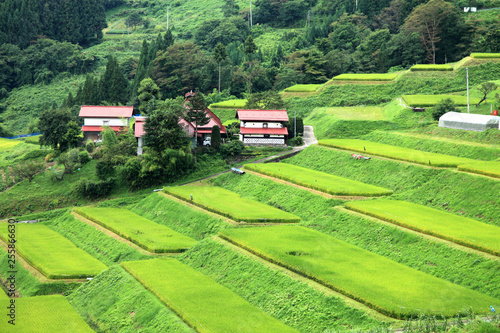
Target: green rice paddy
(200,301)
(42,314)
(485,55)
(351,113)
(398,153)
(458,229)
(303,88)
(432,100)
(426,67)
(488,168)
(52,254)
(366,77)
(317,180)
(231,104)
(388,287)
(8,143)
(230,204)
(147,234)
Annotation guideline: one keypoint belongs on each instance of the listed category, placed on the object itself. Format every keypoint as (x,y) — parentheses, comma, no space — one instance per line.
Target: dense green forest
(183,46)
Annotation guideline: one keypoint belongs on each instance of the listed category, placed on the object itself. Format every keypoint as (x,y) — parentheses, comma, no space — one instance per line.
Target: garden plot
(7,143)
(52,254)
(366,77)
(43,314)
(458,229)
(432,100)
(398,153)
(488,168)
(387,286)
(200,301)
(147,234)
(230,204)
(318,180)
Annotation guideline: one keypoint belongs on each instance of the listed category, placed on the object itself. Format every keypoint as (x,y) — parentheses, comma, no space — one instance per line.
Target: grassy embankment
(318,180)
(203,303)
(230,204)
(147,234)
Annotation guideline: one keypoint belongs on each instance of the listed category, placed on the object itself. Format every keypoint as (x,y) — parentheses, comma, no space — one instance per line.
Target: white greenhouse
(469,121)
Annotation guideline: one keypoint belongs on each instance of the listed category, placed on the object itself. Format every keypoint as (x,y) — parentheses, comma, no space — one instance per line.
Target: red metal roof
(208,131)
(262,115)
(100,128)
(139,129)
(273,131)
(96,111)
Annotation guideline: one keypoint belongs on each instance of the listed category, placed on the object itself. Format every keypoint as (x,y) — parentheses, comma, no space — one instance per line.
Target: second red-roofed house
(263,127)
(96,117)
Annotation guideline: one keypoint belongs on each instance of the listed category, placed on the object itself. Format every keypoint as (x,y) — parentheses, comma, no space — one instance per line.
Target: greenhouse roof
(468,121)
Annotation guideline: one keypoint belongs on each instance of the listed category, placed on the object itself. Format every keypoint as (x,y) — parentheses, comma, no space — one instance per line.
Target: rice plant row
(485,55)
(200,301)
(487,168)
(303,88)
(426,67)
(52,254)
(318,180)
(230,204)
(398,153)
(385,285)
(147,234)
(366,77)
(231,104)
(458,229)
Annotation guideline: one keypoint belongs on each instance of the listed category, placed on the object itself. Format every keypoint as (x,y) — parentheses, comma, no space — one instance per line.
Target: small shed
(469,121)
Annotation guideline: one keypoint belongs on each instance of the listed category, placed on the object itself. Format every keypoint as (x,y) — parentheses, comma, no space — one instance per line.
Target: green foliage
(180,286)
(84,157)
(110,303)
(52,254)
(53,313)
(433,100)
(231,104)
(442,107)
(232,148)
(147,234)
(94,189)
(229,204)
(148,94)
(215,137)
(54,124)
(178,217)
(398,153)
(488,137)
(430,221)
(268,100)
(264,287)
(366,77)
(297,141)
(317,180)
(439,68)
(347,269)
(28,169)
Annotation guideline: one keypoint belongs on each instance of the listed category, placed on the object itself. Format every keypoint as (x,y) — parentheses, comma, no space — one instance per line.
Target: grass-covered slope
(203,303)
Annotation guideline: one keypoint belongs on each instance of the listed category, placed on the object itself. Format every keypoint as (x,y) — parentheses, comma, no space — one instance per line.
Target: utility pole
(168,12)
(295,125)
(356,6)
(308,17)
(467,72)
(250,13)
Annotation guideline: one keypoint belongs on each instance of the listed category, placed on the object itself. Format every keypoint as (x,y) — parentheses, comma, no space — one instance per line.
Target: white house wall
(100,121)
(258,124)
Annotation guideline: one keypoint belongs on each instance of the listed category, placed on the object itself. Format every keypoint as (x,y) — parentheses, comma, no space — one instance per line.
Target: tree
(162,127)
(485,88)
(73,135)
(148,95)
(196,107)
(220,55)
(215,137)
(28,169)
(113,85)
(54,125)
(134,20)
(268,100)
(230,8)
(250,49)
(444,106)
(427,20)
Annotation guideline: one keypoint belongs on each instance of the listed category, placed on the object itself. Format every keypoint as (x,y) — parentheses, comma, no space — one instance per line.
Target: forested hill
(53,53)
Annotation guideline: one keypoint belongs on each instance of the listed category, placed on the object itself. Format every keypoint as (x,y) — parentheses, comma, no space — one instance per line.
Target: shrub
(92,190)
(444,106)
(215,137)
(84,157)
(297,141)
(232,148)
(34,154)
(90,146)
(51,156)
(104,169)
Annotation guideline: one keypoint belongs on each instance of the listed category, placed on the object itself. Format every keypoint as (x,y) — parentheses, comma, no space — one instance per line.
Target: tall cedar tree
(196,106)
(215,138)
(220,55)
(114,86)
(250,49)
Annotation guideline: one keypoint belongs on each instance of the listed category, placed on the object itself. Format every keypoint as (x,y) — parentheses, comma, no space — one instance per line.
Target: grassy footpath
(149,235)
(391,288)
(115,302)
(200,301)
(489,168)
(318,180)
(434,145)
(230,204)
(398,153)
(458,229)
(55,256)
(43,314)
(456,192)
(290,301)
(466,269)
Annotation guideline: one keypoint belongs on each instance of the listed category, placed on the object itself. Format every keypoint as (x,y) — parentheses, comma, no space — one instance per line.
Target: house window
(105,123)
(264,125)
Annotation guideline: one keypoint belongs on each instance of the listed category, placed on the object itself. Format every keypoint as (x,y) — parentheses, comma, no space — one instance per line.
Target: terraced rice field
(426,67)
(230,204)
(485,55)
(317,180)
(432,100)
(43,314)
(389,287)
(398,153)
(7,143)
(147,234)
(231,104)
(458,229)
(366,77)
(52,254)
(303,88)
(488,168)
(201,302)
(352,113)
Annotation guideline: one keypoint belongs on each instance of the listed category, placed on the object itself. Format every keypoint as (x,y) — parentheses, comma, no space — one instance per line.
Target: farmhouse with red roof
(96,117)
(263,127)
